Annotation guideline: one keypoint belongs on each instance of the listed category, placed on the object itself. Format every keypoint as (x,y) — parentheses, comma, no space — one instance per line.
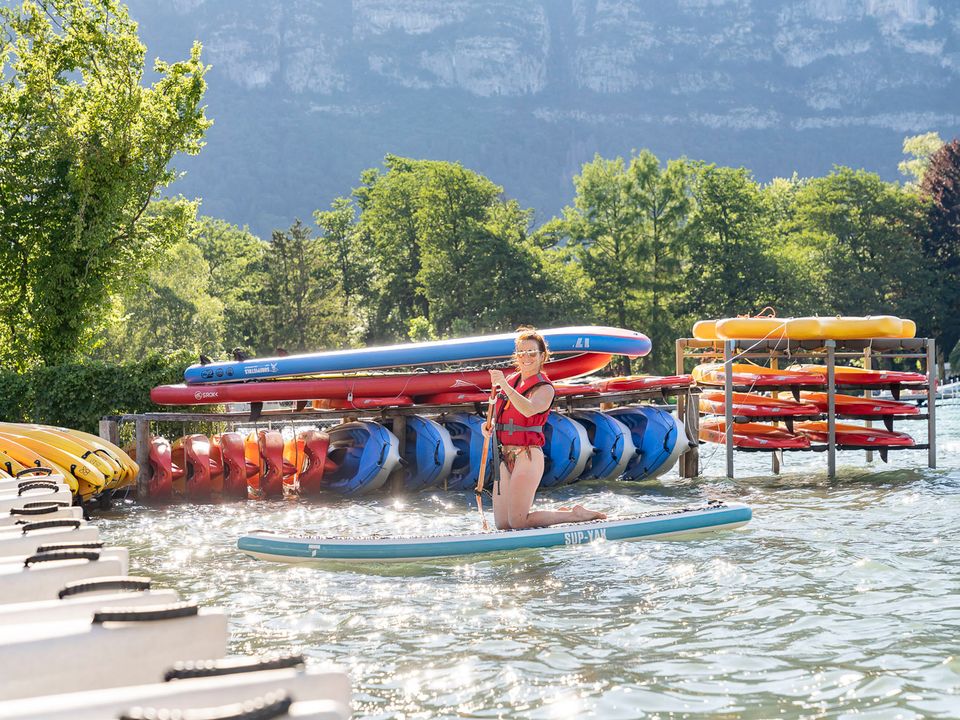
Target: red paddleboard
(854,405)
(751,405)
(455,398)
(755,436)
(855,435)
(362,403)
(343,386)
(645,382)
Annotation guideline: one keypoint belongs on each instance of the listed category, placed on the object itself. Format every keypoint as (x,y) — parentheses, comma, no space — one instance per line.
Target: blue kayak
(659,437)
(364,453)
(268,545)
(427,455)
(466,432)
(565,452)
(612,442)
(482,347)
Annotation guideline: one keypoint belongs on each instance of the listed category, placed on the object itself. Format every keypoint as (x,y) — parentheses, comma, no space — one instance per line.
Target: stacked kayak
(753,405)
(90,466)
(752,436)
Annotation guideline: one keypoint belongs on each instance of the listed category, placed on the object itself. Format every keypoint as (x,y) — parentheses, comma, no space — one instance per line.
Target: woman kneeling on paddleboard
(521,411)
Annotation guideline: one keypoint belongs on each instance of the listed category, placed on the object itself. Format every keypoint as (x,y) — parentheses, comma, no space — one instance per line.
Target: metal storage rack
(110,425)
(825,350)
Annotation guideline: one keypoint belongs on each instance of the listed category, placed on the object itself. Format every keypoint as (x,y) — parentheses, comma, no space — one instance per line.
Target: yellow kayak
(30,459)
(106,447)
(111,469)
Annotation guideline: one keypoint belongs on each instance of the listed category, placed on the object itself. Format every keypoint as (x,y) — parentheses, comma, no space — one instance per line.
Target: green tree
(920,148)
(84,146)
(941,240)
(338,228)
(865,235)
(731,270)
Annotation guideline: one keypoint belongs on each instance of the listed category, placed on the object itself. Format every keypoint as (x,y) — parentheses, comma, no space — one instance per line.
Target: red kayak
(855,405)
(343,386)
(753,376)
(752,405)
(845,375)
(455,398)
(752,436)
(855,435)
(645,382)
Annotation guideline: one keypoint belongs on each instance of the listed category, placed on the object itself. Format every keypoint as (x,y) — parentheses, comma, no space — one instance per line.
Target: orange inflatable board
(752,436)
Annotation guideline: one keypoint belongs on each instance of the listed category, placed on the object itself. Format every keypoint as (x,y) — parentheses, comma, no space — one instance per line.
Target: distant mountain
(307,93)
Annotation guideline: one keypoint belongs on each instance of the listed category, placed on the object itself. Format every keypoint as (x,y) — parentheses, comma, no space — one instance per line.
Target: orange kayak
(846,375)
(753,405)
(856,405)
(752,436)
(745,374)
(855,435)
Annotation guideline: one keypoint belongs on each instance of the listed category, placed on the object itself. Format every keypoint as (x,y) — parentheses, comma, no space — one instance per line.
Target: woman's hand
(497,379)
(486,429)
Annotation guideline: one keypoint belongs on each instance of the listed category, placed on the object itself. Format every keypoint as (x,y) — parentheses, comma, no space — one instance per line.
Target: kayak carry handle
(57,547)
(39,503)
(39,509)
(271,705)
(45,524)
(36,485)
(33,472)
(64,555)
(147,614)
(185,670)
(112,582)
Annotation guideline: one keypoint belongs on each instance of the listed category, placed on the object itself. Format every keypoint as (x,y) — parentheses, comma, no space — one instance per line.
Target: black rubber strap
(230,666)
(34,472)
(40,509)
(36,485)
(41,503)
(57,547)
(266,707)
(112,582)
(513,428)
(71,523)
(64,555)
(146,614)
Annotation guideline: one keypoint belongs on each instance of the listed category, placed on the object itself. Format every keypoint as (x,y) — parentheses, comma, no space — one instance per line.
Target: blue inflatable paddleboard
(268,545)
(566,451)
(659,437)
(427,455)
(364,453)
(593,339)
(612,442)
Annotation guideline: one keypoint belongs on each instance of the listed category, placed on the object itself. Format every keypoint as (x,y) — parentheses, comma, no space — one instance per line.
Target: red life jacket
(515,428)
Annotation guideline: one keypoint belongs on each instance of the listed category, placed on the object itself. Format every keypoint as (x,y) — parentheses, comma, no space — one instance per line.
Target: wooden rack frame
(773,350)
(110,425)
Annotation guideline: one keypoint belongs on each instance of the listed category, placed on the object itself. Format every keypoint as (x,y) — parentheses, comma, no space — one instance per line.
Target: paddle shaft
(483,457)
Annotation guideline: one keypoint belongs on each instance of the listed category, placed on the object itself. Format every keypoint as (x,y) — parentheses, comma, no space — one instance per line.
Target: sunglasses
(527,353)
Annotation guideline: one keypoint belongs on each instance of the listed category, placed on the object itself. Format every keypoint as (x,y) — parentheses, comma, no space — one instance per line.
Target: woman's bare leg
(501,515)
(521,489)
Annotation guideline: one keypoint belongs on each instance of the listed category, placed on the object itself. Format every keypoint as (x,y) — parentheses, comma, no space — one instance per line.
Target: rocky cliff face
(307,93)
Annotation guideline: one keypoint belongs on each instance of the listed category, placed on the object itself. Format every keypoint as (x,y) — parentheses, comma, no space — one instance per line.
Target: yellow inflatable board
(805,328)
(705,330)
(111,470)
(29,458)
(80,469)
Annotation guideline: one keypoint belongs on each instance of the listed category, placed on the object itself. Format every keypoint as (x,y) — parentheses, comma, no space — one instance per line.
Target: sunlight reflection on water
(840,598)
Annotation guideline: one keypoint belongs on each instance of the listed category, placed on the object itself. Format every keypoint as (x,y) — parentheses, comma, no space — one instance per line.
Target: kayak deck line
(270,545)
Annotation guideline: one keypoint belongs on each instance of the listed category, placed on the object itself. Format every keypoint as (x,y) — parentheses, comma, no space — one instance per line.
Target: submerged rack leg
(728,350)
(690,461)
(831,346)
(868,365)
(931,403)
(141,431)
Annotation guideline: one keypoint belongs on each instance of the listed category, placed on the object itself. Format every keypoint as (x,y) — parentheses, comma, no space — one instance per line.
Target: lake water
(840,599)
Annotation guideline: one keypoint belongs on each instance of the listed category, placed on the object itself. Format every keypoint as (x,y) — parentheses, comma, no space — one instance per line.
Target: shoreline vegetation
(104,272)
